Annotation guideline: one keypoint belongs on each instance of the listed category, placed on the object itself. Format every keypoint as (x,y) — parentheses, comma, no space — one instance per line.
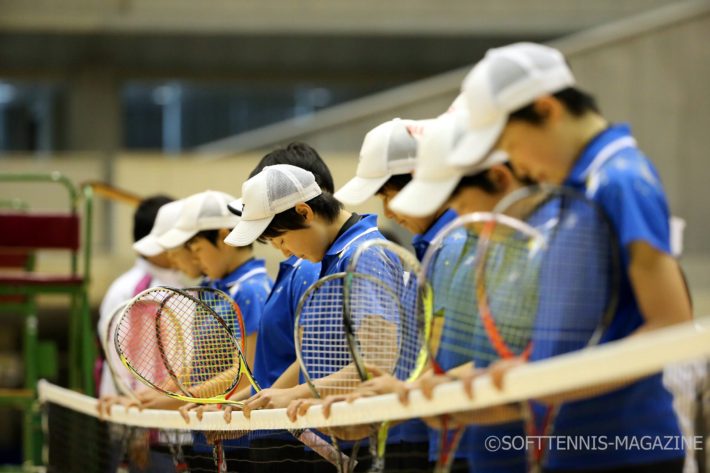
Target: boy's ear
(499,177)
(305,211)
(221,235)
(549,108)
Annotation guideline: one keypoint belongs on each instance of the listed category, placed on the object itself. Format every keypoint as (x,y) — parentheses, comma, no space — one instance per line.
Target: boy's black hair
(325,206)
(303,156)
(144,216)
(576,101)
(395,183)
(211,236)
(483,181)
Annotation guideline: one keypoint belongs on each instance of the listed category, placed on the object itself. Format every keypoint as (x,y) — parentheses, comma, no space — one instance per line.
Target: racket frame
(546,193)
(448,445)
(243,369)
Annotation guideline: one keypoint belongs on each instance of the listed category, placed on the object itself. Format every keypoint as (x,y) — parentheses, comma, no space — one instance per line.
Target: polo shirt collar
(253,265)
(598,150)
(422,241)
(366,222)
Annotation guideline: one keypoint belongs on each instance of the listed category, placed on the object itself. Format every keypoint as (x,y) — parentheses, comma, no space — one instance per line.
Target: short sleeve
(251,300)
(631,194)
(304,276)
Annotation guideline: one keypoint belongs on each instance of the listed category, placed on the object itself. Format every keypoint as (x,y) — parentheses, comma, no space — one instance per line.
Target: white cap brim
(175,237)
(148,246)
(358,189)
(475,145)
(247,231)
(422,198)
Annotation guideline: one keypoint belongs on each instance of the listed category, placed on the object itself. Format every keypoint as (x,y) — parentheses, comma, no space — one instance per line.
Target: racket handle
(447,448)
(218,457)
(323,448)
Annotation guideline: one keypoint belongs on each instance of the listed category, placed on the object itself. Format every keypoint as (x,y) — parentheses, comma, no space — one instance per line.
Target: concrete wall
(651,71)
(332,16)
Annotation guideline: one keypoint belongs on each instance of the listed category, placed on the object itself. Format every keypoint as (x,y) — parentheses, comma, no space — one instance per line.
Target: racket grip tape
(323,448)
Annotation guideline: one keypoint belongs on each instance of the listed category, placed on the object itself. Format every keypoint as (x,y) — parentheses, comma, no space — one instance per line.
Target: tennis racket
(189,351)
(380,318)
(179,352)
(127,387)
(228,310)
(576,287)
(454,331)
(322,347)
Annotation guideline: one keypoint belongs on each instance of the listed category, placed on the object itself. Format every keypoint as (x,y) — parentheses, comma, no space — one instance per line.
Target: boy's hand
(273,398)
(106,402)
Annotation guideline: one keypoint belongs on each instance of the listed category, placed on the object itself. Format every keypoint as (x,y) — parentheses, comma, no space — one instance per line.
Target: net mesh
(78,441)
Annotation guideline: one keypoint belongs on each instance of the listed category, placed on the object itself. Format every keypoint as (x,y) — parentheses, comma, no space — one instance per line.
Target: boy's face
(543,152)
(473,199)
(211,258)
(183,259)
(307,243)
(416,225)
(160,260)
(476,199)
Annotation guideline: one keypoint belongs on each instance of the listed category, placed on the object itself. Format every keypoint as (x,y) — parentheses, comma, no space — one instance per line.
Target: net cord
(642,355)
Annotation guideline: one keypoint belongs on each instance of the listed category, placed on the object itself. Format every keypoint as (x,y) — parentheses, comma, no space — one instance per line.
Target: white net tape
(630,358)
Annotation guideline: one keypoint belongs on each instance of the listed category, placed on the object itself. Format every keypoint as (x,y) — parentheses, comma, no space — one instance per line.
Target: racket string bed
(459,274)
(382,320)
(578,280)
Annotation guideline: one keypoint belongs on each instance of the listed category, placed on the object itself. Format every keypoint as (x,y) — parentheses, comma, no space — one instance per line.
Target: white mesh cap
(204,211)
(505,80)
(388,149)
(434,180)
(165,219)
(275,189)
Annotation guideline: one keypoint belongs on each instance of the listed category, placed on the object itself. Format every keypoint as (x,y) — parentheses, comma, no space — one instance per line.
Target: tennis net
(77,441)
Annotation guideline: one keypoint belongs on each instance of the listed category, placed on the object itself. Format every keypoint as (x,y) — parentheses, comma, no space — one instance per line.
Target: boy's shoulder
(304,270)
(629,170)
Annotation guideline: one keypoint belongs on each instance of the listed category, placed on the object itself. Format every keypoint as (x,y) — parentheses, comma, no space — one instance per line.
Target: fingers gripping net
(385,307)
(174,344)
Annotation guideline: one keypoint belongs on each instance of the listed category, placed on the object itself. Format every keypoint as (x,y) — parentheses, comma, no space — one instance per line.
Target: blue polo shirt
(422,241)
(275,348)
(614,173)
(341,251)
(249,285)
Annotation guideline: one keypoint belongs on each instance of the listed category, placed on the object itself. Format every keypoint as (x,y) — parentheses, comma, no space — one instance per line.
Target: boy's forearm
(288,378)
